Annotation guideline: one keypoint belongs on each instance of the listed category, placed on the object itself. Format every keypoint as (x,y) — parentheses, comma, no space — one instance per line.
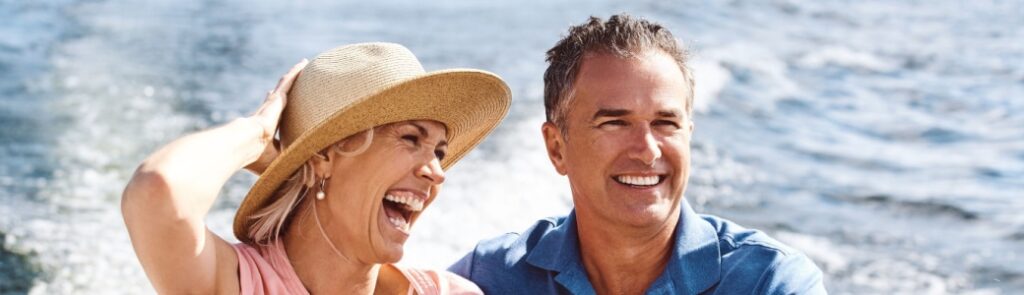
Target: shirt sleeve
(434,282)
(794,274)
(463,267)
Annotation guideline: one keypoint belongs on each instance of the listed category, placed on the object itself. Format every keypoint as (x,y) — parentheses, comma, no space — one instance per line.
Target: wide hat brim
(470,103)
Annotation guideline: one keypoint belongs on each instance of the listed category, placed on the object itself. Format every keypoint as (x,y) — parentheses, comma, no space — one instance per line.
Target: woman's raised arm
(168,197)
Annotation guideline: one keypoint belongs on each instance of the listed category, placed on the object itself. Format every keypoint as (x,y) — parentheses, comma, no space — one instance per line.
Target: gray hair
(622,36)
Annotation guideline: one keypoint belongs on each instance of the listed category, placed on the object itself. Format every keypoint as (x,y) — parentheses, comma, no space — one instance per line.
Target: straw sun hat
(356,87)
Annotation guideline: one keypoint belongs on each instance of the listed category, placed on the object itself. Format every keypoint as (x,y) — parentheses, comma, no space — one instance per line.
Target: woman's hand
(267,117)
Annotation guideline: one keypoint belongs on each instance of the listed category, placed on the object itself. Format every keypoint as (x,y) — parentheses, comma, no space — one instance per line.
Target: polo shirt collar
(695,264)
(558,251)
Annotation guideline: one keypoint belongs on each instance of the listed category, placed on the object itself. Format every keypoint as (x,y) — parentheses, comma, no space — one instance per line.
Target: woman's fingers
(272,107)
(268,115)
(276,99)
(286,81)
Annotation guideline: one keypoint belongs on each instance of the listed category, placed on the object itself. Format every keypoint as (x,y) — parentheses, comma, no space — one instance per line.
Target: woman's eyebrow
(425,133)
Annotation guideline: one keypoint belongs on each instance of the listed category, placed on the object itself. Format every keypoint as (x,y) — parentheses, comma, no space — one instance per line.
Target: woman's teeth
(413,203)
(638,180)
(399,222)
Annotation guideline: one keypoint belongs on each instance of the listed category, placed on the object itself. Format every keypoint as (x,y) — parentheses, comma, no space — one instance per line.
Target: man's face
(626,149)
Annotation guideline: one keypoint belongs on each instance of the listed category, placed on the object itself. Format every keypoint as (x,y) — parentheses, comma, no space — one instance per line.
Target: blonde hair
(270,221)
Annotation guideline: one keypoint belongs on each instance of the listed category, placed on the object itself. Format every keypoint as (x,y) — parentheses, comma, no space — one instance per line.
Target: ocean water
(885,139)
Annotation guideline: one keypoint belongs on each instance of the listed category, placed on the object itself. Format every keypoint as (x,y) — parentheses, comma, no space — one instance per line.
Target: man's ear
(555,145)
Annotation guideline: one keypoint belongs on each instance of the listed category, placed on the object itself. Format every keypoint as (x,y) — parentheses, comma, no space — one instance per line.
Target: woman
(364,140)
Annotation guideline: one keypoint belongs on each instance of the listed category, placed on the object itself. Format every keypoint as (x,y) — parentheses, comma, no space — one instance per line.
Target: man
(619,103)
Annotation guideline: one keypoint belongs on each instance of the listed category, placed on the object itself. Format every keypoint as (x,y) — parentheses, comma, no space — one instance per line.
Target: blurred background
(883,138)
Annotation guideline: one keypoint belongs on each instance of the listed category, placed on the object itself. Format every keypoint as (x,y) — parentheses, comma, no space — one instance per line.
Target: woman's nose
(432,171)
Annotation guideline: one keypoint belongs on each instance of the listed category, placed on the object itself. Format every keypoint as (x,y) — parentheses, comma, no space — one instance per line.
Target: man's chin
(642,216)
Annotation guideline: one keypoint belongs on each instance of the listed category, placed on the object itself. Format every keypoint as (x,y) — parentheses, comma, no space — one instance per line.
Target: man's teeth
(414,203)
(638,180)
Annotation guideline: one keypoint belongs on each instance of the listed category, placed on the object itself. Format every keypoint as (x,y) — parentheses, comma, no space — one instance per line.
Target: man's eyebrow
(610,113)
(425,134)
(670,113)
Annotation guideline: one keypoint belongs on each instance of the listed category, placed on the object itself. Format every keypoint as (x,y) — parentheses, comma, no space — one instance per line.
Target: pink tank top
(266,270)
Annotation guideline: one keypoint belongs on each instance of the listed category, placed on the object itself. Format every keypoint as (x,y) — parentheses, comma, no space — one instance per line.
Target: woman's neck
(325,268)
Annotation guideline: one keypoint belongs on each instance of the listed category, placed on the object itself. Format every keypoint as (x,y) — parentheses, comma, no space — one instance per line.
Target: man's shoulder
(749,259)
(735,241)
(499,265)
(749,253)
(733,237)
(513,246)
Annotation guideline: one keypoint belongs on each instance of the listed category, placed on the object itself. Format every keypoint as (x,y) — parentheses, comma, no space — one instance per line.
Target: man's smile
(640,180)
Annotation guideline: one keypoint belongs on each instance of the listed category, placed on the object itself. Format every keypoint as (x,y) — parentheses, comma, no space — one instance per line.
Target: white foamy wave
(825,253)
(763,74)
(80,236)
(846,57)
(710,78)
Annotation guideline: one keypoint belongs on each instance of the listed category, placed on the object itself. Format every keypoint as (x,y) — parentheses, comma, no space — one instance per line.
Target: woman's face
(375,197)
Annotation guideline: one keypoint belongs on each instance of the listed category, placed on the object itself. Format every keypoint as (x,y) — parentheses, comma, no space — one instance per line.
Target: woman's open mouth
(401,206)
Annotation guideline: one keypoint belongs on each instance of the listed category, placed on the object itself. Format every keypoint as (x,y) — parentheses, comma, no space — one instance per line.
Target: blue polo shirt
(711,256)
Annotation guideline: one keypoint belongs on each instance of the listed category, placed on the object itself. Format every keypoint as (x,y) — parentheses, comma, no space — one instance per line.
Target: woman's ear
(321,165)
(355,144)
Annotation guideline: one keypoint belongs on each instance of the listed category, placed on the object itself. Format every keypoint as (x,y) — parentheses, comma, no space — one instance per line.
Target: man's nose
(644,146)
